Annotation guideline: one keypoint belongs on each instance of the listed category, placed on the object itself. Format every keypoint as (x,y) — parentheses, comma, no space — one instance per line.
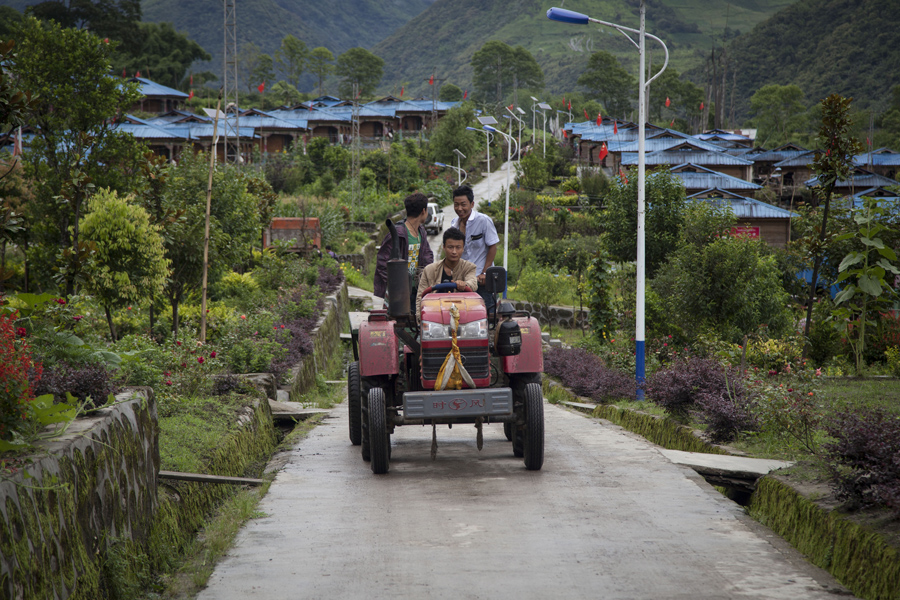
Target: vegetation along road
(607,517)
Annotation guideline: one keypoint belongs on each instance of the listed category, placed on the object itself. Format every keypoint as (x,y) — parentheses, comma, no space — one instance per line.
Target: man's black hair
(454,234)
(466,191)
(415,204)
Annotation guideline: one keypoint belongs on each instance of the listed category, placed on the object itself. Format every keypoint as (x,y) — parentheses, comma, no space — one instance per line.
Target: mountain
(849,47)
(449,32)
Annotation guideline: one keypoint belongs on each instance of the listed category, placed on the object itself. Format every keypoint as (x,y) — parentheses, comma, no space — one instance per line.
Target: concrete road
(608,517)
(487,190)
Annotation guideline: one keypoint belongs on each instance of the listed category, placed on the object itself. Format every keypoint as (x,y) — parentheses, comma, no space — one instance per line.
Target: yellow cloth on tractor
(452,372)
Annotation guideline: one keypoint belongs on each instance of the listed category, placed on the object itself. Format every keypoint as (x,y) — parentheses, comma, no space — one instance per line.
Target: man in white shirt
(481,237)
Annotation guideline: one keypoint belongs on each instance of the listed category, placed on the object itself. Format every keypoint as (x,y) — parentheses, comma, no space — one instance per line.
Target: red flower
(166,374)
(60,300)
(129,308)
(78,317)
(212,354)
(243,317)
(183,365)
(168,382)
(177,343)
(200,359)
(282,326)
(21,332)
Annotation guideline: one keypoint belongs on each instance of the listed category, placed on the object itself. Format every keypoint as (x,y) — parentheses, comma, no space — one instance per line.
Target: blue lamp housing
(567,16)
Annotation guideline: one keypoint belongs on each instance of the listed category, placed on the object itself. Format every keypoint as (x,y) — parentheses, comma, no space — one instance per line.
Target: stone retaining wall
(560,316)
(86,489)
(362,259)
(326,337)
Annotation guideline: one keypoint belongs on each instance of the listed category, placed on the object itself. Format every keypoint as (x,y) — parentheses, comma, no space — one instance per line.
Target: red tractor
(455,364)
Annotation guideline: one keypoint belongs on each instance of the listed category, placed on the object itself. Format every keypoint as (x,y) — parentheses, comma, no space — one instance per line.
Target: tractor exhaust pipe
(397,277)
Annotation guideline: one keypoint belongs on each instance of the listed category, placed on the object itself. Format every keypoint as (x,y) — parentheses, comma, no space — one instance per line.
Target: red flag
(192,80)
(565,134)
(191,95)
(668,102)
(401,91)
(431,81)
(105,40)
(510,107)
(868,141)
(603,152)
(123,74)
(564,101)
(701,106)
(138,74)
(586,117)
(622,175)
(261,87)
(672,124)
(615,128)
(466,95)
(570,105)
(599,119)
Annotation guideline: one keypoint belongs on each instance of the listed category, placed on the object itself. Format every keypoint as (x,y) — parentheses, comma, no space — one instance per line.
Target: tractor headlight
(470,331)
(435,331)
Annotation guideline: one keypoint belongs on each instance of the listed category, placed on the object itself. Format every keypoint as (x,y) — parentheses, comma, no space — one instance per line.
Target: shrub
(236,285)
(15,365)
(729,413)
(789,406)
(90,380)
(864,457)
(893,360)
(253,355)
(586,375)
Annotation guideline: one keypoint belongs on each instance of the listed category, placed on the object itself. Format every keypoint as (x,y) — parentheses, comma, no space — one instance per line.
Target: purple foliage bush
(865,457)
(93,380)
(704,385)
(329,280)
(586,375)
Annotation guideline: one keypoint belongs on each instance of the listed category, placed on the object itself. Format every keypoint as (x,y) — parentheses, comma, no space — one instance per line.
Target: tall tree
(264,72)
(76,146)
(779,112)
(358,65)
(161,53)
(127,264)
(497,65)
(605,79)
(320,64)
(291,58)
(114,19)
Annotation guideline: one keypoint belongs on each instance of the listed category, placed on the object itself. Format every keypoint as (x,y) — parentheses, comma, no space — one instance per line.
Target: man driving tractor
(452,268)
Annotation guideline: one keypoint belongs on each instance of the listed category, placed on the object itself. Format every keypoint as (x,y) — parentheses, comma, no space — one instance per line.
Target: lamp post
(489,137)
(511,140)
(568,16)
(544,107)
(460,156)
(533,107)
(461,174)
(521,123)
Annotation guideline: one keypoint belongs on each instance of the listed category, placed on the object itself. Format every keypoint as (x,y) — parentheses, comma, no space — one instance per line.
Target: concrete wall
(326,338)
(87,487)
(560,316)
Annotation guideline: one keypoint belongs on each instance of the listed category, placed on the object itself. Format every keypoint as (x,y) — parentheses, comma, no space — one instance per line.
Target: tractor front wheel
(379,438)
(534,427)
(354,399)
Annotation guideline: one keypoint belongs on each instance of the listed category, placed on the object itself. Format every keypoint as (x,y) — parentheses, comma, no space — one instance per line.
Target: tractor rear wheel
(354,399)
(379,439)
(507,431)
(534,427)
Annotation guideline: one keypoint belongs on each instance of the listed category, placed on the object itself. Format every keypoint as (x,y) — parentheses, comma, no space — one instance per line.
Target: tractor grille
(475,360)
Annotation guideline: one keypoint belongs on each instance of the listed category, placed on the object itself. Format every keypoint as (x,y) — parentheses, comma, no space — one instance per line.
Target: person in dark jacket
(413,242)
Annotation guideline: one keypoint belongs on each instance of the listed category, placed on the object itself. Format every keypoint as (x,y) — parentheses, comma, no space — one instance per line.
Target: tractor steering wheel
(448,286)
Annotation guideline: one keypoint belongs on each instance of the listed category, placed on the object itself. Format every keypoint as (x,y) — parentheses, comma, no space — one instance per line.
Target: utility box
(304,233)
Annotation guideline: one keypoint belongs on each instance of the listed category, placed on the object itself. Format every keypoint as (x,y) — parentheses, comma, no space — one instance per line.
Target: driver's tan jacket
(431,275)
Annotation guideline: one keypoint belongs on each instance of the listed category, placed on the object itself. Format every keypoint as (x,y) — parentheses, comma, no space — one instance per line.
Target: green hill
(449,32)
(825,47)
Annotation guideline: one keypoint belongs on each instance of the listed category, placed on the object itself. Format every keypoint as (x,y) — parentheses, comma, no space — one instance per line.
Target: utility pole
(355,150)
(434,83)
(230,85)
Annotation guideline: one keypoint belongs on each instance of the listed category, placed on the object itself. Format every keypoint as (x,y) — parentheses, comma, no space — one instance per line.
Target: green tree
(684,97)
(450,133)
(114,19)
(779,112)
(76,145)
(291,59)
(320,65)
(533,171)
(450,93)
(664,200)
(127,264)
(497,65)
(9,21)
(263,72)
(605,79)
(283,93)
(161,53)
(359,66)
(728,287)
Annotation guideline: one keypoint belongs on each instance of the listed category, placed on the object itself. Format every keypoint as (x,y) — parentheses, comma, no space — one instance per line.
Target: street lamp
(533,107)
(544,108)
(511,140)
(568,16)
(459,157)
(461,174)
(521,124)
(489,138)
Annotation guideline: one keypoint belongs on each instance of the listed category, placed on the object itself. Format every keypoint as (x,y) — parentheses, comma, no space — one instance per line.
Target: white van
(434,224)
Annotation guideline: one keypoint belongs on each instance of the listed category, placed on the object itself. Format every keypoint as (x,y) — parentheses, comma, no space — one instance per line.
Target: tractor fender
(378,349)
(531,358)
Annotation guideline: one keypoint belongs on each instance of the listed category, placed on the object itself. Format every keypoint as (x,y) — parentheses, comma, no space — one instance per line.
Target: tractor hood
(436,307)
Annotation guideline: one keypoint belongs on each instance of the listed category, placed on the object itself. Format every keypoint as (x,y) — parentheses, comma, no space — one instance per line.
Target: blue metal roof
(883,157)
(801,159)
(859,179)
(781,153)
(152,89)
(680,157)
(664,143)
(742,206)
(702,178)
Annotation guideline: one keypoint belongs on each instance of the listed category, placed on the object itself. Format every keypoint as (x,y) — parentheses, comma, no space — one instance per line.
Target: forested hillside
(850,47)
(446,35)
